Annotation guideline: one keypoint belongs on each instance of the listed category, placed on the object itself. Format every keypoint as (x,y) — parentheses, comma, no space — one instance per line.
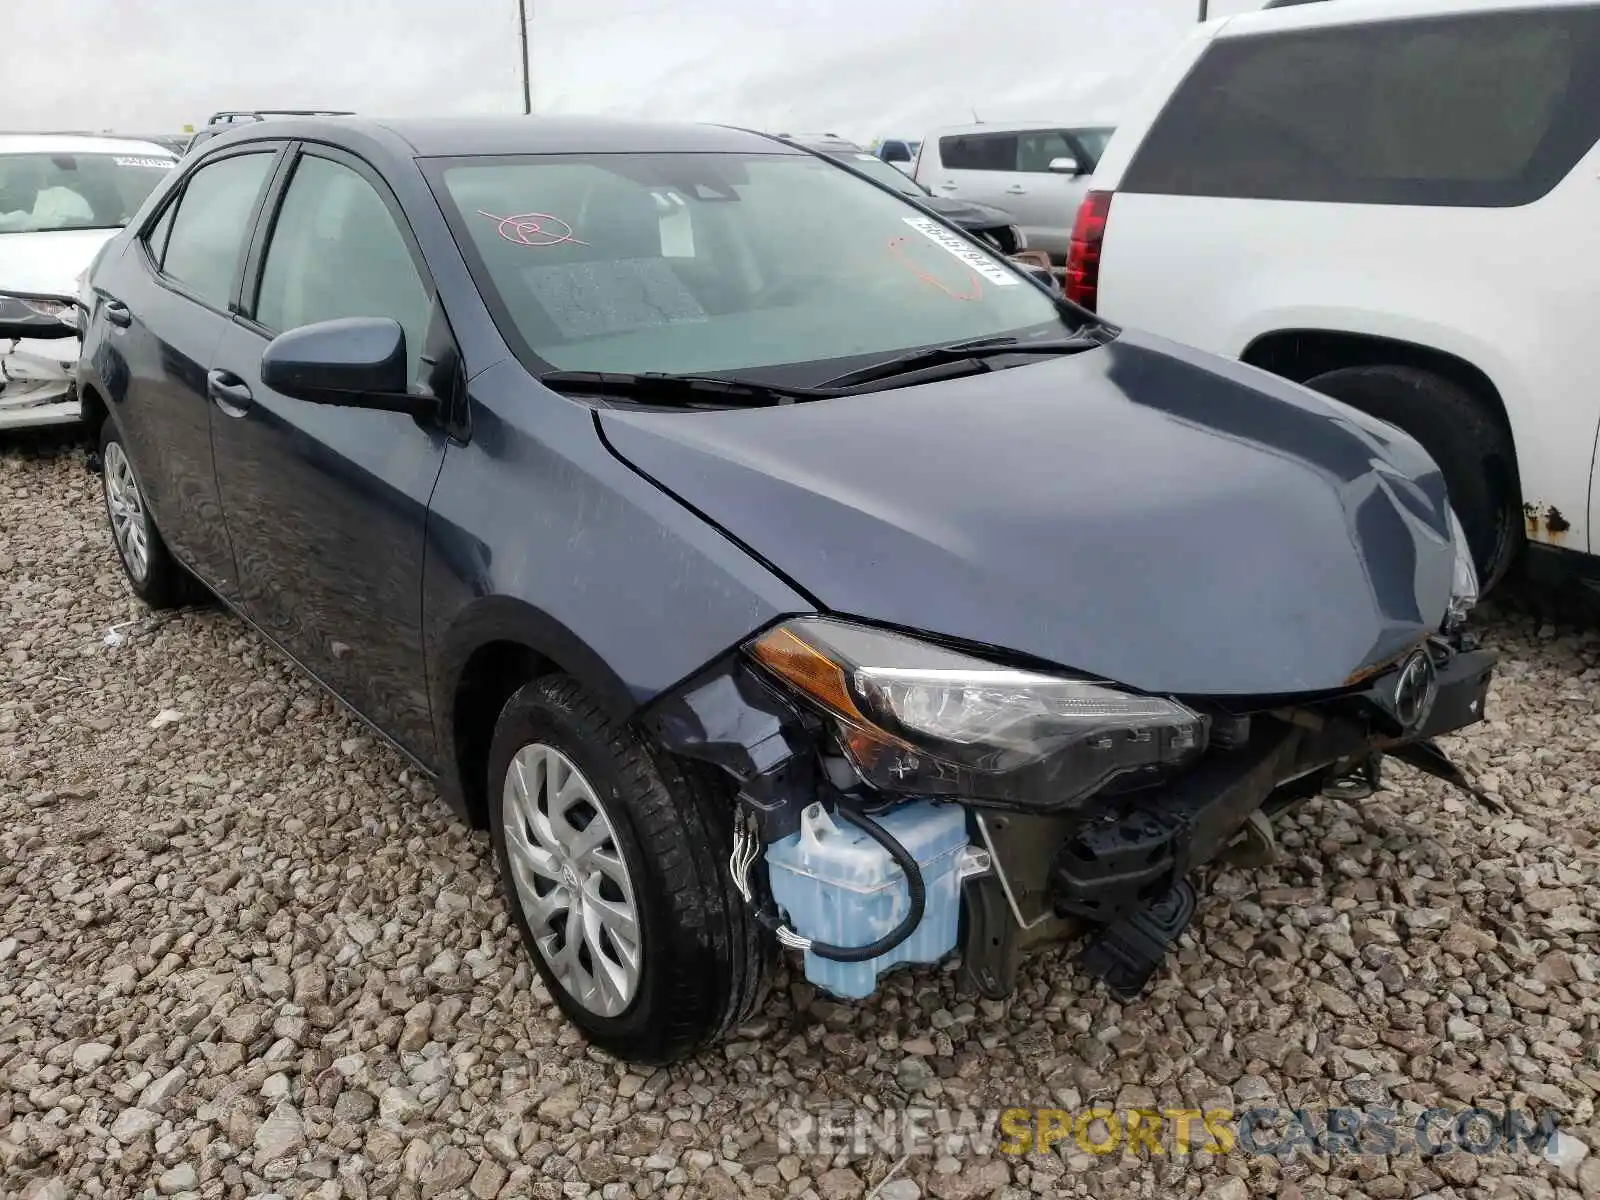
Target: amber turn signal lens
(808,669)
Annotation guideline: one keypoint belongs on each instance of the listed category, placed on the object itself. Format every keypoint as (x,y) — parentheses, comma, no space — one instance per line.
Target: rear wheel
(614,860)
(155,576)
(1473,450)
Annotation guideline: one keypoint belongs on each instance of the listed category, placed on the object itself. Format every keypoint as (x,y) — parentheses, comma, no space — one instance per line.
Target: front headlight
(1464,578)
(41,318)
(913,717)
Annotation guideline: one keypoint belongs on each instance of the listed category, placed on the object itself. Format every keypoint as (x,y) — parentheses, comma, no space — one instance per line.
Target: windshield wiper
(976,351)
(657,387)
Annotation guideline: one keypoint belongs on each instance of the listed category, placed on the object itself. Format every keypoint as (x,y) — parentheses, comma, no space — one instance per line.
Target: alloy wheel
(126,507)
(571,880)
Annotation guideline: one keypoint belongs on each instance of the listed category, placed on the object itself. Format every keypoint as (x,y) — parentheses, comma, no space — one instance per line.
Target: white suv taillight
(1083,255)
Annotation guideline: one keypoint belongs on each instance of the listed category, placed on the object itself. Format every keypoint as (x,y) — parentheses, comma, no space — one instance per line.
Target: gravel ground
(243,951)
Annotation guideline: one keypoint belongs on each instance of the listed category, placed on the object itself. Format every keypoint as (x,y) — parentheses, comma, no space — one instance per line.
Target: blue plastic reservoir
(839,886)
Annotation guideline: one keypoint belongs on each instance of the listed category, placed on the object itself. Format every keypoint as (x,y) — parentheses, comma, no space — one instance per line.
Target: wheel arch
(95,409)
(1305,354)
(1302,354)
(493,648)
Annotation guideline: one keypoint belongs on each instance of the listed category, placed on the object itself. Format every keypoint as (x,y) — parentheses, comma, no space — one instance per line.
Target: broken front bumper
(37,388)
(1107,868)
(1130,861)
(1120,862)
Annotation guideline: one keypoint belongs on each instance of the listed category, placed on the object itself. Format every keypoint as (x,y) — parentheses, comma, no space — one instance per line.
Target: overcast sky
(861,68)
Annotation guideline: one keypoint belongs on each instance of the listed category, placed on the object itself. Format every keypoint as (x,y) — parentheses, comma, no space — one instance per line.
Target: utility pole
(1202,12)
(527,82)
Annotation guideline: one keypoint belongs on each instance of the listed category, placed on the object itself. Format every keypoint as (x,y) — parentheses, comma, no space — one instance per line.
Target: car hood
(48,262)
(1140,512)
(967,213)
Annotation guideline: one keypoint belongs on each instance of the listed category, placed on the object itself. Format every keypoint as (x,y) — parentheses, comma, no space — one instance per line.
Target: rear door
(326,505)
(976,166)
(167,304)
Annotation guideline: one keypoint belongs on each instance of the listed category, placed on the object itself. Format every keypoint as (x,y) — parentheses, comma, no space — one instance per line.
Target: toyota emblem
(1414,689)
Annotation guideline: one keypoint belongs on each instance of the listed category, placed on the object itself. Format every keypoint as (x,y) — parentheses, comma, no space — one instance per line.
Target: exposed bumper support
(1109,868)
(1113,867)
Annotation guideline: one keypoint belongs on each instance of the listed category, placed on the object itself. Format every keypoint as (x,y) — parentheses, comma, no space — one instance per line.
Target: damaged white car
(62,197)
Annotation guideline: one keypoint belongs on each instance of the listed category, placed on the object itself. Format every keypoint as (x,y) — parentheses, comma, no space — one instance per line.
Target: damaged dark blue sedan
(764,561)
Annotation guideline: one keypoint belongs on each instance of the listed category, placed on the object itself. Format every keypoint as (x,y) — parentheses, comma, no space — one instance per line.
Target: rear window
(979,152)
(1029,151)
(1489,110)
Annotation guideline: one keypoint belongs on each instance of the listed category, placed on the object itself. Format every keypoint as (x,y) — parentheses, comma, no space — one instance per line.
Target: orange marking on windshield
(897,251)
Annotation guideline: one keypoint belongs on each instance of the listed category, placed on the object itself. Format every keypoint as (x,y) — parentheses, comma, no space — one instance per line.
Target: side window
(1473,110)
(336,251)
(207,235)
(1035,150)
(156,239)
(979,152)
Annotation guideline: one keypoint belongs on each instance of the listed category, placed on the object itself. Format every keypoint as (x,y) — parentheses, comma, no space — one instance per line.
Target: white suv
(1396,202)
(1036,172)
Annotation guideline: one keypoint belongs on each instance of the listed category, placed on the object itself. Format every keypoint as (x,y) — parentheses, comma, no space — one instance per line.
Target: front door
(166,304)
(326,505)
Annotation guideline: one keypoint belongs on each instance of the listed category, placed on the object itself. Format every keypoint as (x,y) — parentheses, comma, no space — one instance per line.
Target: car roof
(1361,12)
(76,143)
(442,137)
(1018,127)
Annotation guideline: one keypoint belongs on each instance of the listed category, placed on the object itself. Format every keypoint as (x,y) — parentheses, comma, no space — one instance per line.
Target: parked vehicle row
(899,153)
(762,559)
(985,221)
(1037,172)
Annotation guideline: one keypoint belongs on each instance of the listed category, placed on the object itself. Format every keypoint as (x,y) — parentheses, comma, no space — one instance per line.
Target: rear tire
(703,963)
(152,572)
(1472,449)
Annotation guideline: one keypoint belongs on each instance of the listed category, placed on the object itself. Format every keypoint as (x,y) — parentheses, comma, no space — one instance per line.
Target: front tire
(613,857)
(1473,451)
(152,572)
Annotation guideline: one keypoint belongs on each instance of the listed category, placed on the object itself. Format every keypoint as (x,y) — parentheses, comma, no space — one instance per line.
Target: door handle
(948,187)
(230,393)
(1016,190)
(117,313)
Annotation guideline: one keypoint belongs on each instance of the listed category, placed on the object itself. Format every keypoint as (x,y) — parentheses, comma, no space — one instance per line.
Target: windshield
(720,262)
(885,173)
(41,192)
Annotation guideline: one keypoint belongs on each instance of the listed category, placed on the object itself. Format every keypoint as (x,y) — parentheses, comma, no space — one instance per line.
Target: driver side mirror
(355,362)
(1064,166)
(34,315)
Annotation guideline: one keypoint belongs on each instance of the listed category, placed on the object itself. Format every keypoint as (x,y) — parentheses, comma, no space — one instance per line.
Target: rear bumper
(1107,868)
